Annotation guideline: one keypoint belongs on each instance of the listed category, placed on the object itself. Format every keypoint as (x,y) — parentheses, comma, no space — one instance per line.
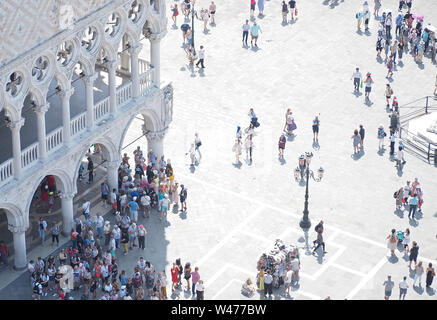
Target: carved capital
(15,229)
(16,125)
(41,110)
(135,49)
(156,135)
(66,94)
(67,195)
(89,79)
(112,64)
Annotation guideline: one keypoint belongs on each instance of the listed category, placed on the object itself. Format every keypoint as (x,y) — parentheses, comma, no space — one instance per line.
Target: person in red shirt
(73,235)
(51,182)
(4,253)
(174,276)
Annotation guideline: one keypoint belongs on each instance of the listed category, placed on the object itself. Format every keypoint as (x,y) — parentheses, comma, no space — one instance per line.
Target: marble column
(15,127)
(41,127)
(134,52)
(112,173)
(67,212)
(155,56)
(66,121)
(20,256)
(89,93)
(155,141)
(112,67)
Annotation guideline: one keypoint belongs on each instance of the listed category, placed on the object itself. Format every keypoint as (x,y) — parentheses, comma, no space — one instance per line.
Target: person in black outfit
(414,252)
(90,170)
(362,132)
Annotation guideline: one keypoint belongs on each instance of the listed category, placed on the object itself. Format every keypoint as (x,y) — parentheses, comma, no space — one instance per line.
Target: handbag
(361,85)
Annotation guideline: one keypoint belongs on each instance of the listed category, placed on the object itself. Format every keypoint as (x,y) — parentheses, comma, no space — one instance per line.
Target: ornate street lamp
(300,171)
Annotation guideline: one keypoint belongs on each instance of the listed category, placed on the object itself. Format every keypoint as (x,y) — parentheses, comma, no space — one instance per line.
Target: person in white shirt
(145,203)
(295,266)
(114,200)
(403,286)
(86,208)
(287,282)
(116,232)
(200,290)
(407,192)
(201,56)
(192,153)
(248,144)
(357,79)
(197,144)
(400,158)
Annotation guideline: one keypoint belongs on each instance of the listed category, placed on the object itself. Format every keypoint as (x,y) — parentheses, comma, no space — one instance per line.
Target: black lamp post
(304,168)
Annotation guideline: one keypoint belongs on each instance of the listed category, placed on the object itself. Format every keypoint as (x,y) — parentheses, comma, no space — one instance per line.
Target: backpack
(395,195)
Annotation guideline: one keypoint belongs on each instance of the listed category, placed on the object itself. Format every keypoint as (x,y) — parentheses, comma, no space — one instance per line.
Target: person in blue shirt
(413,205)
(399,20)
(254,32)
(133,206)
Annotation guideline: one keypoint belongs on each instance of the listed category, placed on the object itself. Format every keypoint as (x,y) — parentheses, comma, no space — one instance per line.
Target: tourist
(368,87)
(430,274)
(268,284)
(55,233)
(403,286)
(357,79)
(86,206)
(287,282)
(281,145)
(196,277)
(246,28)
(174,276)
(252,8)
(284,12)
(392,241)
(381,135)
(362,133)
(293,9)
(200,290)
(392,141)
(201,57)
(254,33)
(248,145)
(418,272)
(261,7)
(237,149)
(197,143)
(187,275)
(388,287)
(4,253)
(183,198)
(175,13)
(399,194)
(42,227)
(414,252)
(413,206)
(212,11)
(356,141)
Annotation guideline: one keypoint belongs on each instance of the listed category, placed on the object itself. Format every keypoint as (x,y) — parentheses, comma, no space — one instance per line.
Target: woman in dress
(281,145)
(175,13)
(261,280)
(406,241)
(356,138)
(418,272)
(187,275)
(430,274)
(286,117)
(291,125)
(392,241)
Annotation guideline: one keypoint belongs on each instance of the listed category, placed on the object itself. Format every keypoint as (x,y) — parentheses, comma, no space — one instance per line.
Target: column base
(19,268)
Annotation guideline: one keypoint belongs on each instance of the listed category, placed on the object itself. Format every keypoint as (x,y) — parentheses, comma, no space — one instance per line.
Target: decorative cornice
(15,229)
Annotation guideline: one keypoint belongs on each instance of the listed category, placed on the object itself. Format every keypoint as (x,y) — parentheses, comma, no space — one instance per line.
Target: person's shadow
(399,213)
(381,152)
(419,289)
(316,145)
(290,137)
(368,102)
(392,259)
(237,165)
(282,161)
(357,93)
(192,169)
(413,222)
(430,291)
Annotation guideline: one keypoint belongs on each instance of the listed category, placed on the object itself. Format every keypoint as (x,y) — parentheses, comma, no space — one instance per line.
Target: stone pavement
(236,212)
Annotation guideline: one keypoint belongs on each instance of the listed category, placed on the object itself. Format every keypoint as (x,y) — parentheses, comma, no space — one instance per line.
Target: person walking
(237,149)
(316,126)
(42,227)
(55,233)
(399,194)
(4,253)
(175,13)
(261,7)
(392,241)
(195,279)
(357,79)
(403,287)
(201,57)
(388,94)
(281,145)
(388,287)
(381,136)
(319,242)
(248,145)
(284,12)
(252,8)
(174,276)
(392,141)
(406,241)
(246,28)
(141,237)
(377,7)
(200,290)
(293,9)
(413,206)
(183,198)
(368,87)
(197,143)
(90,170)
(254,33)
(430,274)
(86,208)
(356,139)
(212,10)
(362,133)
(414,252)
(268,284)
(418,272)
